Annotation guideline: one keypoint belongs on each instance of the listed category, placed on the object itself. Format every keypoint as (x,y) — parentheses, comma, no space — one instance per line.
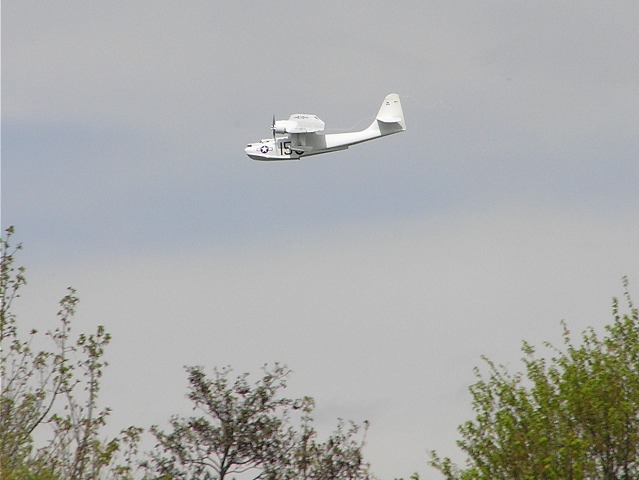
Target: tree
(246,429)
(55,388)
(574,415)
(53,394)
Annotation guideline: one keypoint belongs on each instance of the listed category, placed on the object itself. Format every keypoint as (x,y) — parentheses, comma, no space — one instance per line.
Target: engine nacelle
(281,126)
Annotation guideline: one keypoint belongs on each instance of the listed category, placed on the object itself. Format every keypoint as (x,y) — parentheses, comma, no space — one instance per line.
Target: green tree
(573,414)
(247,429)
(56,388)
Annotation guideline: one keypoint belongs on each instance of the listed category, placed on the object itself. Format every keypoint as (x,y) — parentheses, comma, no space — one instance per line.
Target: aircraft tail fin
(390,118)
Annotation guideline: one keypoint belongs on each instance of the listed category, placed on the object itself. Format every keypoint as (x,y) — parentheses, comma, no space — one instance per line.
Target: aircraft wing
(304,123)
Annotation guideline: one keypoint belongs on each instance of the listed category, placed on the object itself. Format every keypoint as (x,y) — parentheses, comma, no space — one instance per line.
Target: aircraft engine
(280,126)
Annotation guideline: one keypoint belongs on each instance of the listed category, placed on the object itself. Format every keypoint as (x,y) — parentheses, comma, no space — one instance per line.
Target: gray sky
(379,274)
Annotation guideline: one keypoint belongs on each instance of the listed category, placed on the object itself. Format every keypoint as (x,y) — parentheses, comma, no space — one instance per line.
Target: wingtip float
(302,134)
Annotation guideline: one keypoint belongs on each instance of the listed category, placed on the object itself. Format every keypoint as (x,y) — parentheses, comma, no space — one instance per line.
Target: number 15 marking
(285,148)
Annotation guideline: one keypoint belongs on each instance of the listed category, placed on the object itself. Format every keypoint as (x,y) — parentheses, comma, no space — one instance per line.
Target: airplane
(304,134)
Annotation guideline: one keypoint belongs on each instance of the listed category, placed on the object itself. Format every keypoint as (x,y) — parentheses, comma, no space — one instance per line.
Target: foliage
(574,415)
(246,429)
(55,388)
(339,457)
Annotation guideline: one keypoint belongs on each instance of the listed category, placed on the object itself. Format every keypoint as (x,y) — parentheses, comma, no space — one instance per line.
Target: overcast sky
(379,274)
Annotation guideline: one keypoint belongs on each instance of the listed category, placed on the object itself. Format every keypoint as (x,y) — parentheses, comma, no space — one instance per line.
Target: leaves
(246,429)
(55,391)
(239,428)
(573,415)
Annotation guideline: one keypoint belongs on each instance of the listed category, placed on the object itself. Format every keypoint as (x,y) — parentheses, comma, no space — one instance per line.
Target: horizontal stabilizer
(390,119)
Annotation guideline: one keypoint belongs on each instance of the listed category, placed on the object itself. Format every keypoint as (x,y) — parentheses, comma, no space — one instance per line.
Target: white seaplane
(304,134)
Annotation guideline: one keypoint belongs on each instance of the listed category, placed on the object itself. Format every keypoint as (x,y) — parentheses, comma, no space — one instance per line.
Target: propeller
(273,127)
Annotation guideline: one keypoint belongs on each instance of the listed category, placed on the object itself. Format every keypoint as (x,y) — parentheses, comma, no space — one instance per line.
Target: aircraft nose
(251,151)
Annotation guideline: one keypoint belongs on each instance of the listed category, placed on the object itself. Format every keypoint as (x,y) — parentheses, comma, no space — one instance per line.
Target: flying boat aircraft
(303,134)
